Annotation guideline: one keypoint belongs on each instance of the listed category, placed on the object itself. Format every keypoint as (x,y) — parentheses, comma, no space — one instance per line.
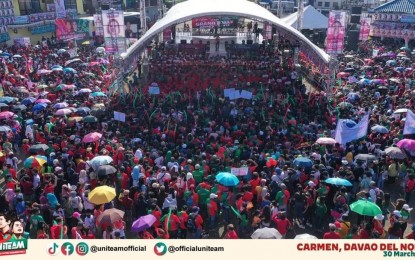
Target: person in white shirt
(163,175)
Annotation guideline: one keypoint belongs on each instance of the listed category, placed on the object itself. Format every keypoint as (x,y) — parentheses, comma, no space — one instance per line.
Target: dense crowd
(73,171)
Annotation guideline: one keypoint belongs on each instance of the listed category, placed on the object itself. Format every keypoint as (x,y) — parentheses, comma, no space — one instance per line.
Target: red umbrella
(271,162)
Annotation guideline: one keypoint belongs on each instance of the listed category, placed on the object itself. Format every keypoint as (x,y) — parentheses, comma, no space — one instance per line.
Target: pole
(143,16)
(279,8)
(300,13)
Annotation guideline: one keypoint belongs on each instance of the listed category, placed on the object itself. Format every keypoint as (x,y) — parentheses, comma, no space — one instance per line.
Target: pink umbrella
(66,87)
(342,75)
(93,63)
(6,115)
(43,100)
(44,71)
(326,140)
(407,144)
(91,137)
(63,111)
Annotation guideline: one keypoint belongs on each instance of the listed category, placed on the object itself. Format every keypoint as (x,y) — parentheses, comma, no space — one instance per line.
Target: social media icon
(160,249)
(67,249)
(53,249)
(82,248)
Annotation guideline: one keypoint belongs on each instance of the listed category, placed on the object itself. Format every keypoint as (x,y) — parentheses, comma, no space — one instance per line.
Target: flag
(345,134)
(409,127)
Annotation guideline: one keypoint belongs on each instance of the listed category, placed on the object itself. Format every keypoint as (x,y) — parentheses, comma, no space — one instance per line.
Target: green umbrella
(90,119)
(365,208)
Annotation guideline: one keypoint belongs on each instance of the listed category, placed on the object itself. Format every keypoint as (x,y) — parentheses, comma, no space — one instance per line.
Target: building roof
(187,10)
(397,6)
(312,19)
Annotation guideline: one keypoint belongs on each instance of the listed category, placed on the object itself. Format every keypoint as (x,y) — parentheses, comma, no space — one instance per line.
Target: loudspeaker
(249,42)
(352,40)
(356,10)
(183,41)
(355,19)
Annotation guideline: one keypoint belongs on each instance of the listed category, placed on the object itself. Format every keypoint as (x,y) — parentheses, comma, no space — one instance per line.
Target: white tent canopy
(312,19)
(187,10)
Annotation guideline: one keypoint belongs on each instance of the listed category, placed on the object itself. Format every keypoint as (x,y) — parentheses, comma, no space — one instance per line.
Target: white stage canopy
(312,19)
(187,10)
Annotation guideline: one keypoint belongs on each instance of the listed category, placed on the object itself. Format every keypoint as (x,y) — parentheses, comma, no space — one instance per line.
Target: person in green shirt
(35,220)
(203,196)
(198,174)
(320,212)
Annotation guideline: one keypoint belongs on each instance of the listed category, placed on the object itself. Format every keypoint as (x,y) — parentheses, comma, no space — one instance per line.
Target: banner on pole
(364,29)
(335,32)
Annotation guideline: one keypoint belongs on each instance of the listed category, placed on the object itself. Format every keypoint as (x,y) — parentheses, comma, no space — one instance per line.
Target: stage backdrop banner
(364,29)
(210,22)
(71,29)
(335,32)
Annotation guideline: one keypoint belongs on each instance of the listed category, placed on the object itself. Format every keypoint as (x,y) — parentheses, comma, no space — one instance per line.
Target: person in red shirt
(283,224)
(172,224)
(59,231)
(127,204)
(254,182)
(212,209)
(184,217)
(332,234)
(412,234)
(248,196)
(198,220)
(410,186)
(156,213)
(230,233)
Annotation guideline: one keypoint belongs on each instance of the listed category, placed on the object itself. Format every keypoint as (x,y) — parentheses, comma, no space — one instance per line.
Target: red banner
(335,32)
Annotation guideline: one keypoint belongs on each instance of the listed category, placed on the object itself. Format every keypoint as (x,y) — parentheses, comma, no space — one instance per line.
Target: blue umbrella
(380,129)
(227,179)
(69,70)
(5,54)
(364,82)
(339,182)
(399,69)
(83,110)
(98,94)
(56,67)
(303,162)
(349,123)
(39,107)
(6,99)
(353,97)
(391,62)
(28,101)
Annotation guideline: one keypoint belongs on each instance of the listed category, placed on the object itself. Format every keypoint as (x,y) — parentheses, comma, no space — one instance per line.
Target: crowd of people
(164,163)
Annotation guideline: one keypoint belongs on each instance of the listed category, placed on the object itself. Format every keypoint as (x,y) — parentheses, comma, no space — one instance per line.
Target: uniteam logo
(13,247)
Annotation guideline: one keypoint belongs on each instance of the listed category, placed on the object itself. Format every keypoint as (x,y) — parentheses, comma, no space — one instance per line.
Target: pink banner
(364,29)
(335,32)
(167,34)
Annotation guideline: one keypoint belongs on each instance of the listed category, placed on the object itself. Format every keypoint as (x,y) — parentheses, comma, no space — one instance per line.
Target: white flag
(345,134)
(409,127)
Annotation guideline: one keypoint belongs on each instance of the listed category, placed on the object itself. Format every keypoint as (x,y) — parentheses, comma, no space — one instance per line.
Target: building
(395,19)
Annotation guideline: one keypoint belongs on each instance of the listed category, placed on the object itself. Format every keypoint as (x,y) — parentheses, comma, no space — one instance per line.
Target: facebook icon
(67,249)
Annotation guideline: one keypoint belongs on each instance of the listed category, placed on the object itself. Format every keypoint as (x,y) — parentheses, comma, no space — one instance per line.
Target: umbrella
(398,69)
(69,87)
(100,50)
(110,216)
(401,111)
(42,86)
(391,62)
(339,182)
(343,75)
(349,70)
(21,89)
(344,105)
(90,119)
(365,157)
(404,48)
(43,100)
(365,208)
(407,144)
(395,153)
(43,71)
(75,118)
(19,107)
(379,129)
(60,51)
(5,128)
(64,111)
(227,179)
(85,90)
(39,107)
(326,140)
(17,56)
(91,137)
(97,94)
(72,61)
(3,105)
(98,106)
(100,160)
(266,233)
(35,161)
(378,81)
(303,162)
(6,115)
(57,69)
(69,70)
(143,223)
(60,105)
(352,79)
(86,43)
(105,170)
(83,110)
(364,82)
(38,147)
(101,195)
(305,236)
(28,101)
(7,100)
(353,96)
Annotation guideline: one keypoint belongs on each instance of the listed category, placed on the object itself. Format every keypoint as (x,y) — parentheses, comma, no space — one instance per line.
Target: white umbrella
(326,140)
(395,153)
(305,236)
(266,233)
(401,110)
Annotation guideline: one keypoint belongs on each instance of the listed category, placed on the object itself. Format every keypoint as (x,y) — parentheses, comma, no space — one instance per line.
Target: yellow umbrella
(98,106)
(75,118)
(86,43)
(101,195)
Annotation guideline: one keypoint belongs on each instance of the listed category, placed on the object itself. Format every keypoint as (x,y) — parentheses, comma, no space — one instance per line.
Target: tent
(312,19)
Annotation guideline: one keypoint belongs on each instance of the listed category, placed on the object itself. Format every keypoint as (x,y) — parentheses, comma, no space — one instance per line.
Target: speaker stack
(356,13)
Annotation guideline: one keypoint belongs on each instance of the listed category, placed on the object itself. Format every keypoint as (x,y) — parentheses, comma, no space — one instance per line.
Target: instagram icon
(82,248)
